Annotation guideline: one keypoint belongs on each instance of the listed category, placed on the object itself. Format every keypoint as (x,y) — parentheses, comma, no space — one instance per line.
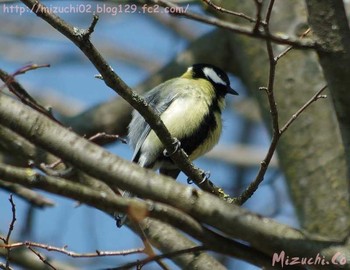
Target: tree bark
(330,25)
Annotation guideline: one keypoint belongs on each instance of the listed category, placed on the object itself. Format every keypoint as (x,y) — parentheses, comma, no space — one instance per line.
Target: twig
(10,230)
(303,108)
(27,194)
(13,221)
(73,254)
(91,28)
(102,138)
(169,255)
(63,173)
(291,47)
(276,131)
(240,29)
(249,191)
(269,12)
(224,10)
(42,258)
(18,90)
(148,249)
(52,165)
(29,68)
(258,22)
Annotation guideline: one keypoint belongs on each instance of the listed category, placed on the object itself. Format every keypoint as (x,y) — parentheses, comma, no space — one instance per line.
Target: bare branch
(224,10)
(291,47)
(148,249)
(30,196)
(141,263)
(91,28)
(249,191)
(303,108)
(276,131)
(21,93)
(248,31)
(227,219)
(110,204)
(42,258)
(103,138)
(10,230)
(269,11)
(97,253)
(26,259)
(258,22)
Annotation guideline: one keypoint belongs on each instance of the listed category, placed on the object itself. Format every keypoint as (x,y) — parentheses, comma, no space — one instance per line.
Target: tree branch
(328,21)
(276,131)
(30,196)
(248,31)
(231,12)
(267,236)
(111,204)
(97,253)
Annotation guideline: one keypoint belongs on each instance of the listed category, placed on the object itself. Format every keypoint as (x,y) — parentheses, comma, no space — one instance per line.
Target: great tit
(190,107)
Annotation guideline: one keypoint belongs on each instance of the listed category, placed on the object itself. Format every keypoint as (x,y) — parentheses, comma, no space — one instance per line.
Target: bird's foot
(119,219)
(205,175)
(177,145)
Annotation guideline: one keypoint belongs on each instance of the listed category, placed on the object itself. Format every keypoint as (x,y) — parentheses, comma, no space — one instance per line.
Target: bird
(190,107)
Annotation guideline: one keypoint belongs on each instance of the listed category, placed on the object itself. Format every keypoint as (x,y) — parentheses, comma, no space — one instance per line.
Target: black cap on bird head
(215,75)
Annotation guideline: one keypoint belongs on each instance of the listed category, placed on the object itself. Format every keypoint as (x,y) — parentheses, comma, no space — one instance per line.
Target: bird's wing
(138,128)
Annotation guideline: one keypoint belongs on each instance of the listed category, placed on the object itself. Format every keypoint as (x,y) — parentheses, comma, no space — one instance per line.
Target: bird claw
(205,174)
(189,181)
(119,219)
(177,145)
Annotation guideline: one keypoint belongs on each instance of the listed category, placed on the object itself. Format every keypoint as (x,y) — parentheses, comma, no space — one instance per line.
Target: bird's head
(216,76)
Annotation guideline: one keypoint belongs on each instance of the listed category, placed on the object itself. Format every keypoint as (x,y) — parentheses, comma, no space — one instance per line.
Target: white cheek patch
(211,74)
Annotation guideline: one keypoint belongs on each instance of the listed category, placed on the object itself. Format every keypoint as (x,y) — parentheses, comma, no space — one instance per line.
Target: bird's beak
(231,91)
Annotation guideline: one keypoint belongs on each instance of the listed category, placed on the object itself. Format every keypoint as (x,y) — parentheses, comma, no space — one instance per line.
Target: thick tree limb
(28,195)
(262,233)
(330,25)
(110,204)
